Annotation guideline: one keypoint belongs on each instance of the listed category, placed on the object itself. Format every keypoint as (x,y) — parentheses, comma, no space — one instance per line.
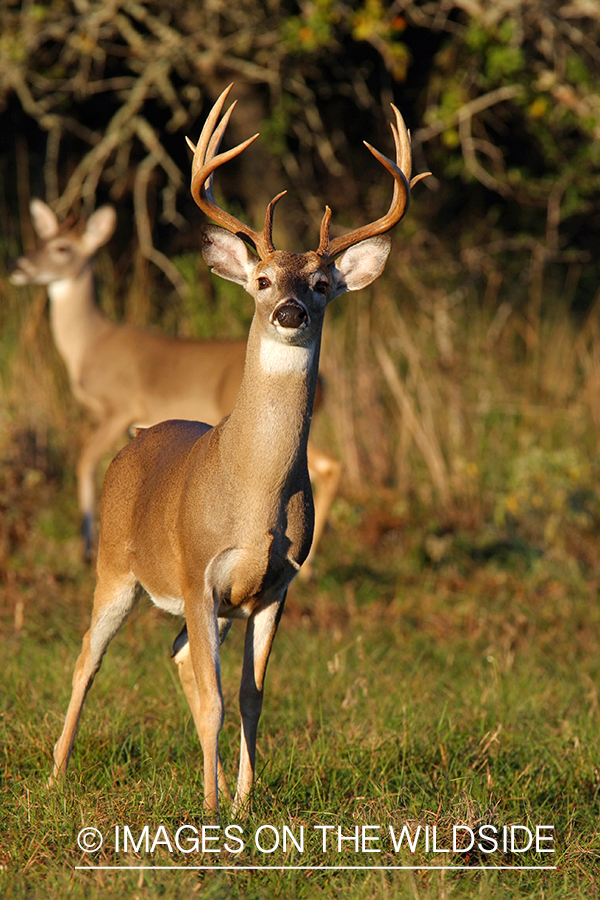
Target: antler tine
(204,156)
(416,178)
(401,173)
(268,226)
(207,160)
(215,143)
(401,142)
(208,130)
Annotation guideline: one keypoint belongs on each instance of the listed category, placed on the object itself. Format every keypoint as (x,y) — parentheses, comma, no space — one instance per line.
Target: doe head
(62,250)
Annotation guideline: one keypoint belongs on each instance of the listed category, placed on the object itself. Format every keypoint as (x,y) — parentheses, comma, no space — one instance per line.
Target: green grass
(400,691)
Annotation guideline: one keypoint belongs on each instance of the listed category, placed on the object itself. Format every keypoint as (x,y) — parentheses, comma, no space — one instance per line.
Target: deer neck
(75,319)
(266,435)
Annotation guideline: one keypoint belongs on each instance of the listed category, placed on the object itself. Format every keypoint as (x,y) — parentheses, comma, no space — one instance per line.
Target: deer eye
(321,287)
(263,283)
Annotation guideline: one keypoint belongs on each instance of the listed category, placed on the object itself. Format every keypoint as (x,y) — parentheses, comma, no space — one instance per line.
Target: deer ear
(99,228)
(360,265)
(44,220)
(227,255)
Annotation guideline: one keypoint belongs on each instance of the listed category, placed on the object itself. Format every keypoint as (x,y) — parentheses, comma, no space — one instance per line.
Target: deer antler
(206,160)
(400,171)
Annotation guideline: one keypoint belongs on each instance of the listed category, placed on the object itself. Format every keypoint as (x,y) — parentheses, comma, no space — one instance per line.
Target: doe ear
(99,228)
(360,265)
(44,220)
(227,255)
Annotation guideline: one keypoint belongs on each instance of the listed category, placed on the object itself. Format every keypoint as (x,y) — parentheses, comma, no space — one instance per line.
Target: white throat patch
(280,358)
(58,290)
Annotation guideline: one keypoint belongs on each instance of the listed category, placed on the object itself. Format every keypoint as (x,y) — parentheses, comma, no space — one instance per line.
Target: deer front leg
(206,701)
(102,439)
(113,601)
(188,682)
(260,633)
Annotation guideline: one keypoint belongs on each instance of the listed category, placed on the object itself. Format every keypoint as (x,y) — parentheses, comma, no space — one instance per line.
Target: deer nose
(17,272)
(291,314)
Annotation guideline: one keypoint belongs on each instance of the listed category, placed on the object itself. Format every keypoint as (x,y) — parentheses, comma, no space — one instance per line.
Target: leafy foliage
(506,97)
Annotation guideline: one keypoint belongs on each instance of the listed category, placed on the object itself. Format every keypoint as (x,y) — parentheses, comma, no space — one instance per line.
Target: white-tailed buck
(215,522)
(127,376)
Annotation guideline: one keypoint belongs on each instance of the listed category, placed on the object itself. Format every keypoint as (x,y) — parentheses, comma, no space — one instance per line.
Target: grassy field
(442,670)
(401,691)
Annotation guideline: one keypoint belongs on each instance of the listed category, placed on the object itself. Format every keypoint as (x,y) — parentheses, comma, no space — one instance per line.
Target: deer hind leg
(181,655)
(260,633)
(113,601)
(325,472)
(102,439)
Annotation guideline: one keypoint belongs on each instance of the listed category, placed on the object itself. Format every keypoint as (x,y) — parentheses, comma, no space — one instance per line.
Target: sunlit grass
(453,700)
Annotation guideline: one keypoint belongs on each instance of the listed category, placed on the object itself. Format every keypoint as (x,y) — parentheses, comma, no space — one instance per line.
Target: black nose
(291,314)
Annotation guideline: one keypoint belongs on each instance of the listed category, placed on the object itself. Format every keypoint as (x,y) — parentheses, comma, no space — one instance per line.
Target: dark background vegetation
(502,99)
(449,643)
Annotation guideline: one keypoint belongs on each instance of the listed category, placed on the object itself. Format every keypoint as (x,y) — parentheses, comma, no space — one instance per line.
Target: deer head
(64,250)
(291,291)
